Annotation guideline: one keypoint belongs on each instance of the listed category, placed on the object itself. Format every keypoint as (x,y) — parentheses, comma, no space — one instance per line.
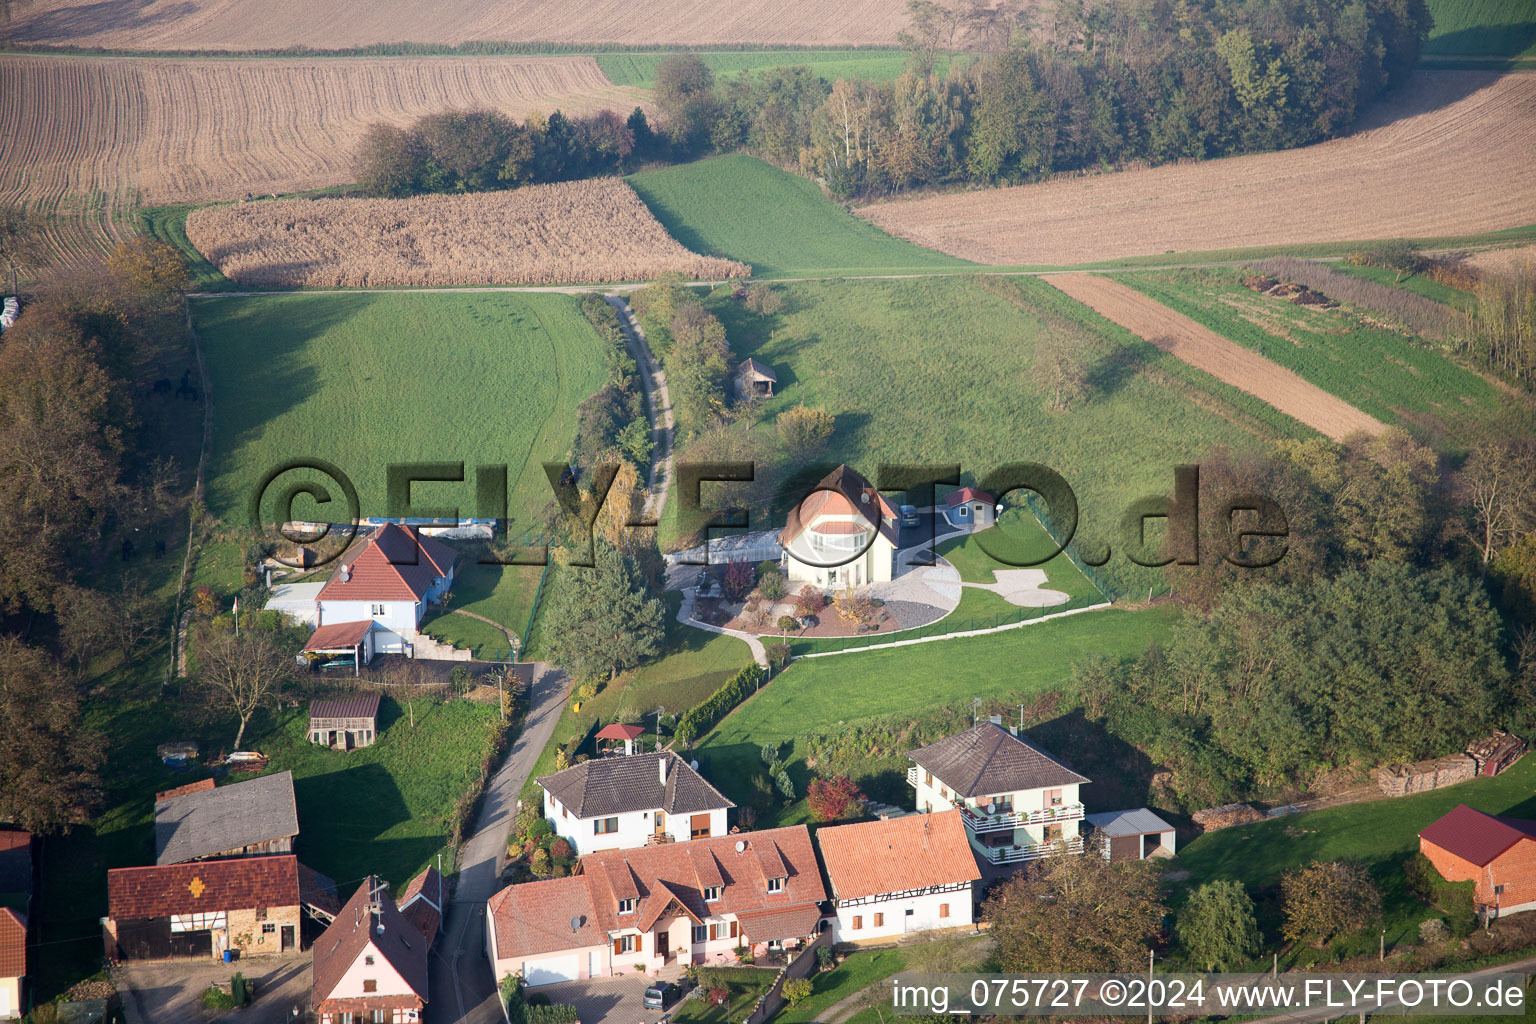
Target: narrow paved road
(658,406)
(461,986)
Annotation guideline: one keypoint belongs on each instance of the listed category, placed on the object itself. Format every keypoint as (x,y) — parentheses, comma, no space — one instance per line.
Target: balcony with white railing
(912,776)
(1032,851)
(981,821)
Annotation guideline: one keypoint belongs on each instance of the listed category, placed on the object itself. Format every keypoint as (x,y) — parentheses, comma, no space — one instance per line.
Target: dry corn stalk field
(576,232)
(83,140)
(335,24)
(1454,153)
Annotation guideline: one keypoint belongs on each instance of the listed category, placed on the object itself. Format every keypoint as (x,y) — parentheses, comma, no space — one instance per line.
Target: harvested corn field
(1453,153)
(336,24)
(1225,360)
(82,140)
(577,232)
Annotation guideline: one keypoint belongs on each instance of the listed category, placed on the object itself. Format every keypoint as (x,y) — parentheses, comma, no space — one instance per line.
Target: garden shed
(345,723)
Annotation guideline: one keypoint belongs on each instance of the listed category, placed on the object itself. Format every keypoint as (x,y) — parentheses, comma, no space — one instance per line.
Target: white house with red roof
(970,509)
(843,534)
(379,593)
(900,875)
(371,963)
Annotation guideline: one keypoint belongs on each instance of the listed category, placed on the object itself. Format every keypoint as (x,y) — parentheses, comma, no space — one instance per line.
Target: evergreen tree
(603,620)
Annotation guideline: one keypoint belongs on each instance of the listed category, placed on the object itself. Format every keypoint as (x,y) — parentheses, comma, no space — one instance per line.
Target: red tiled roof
(659,904)
(912,852)
(788,923)
(334,636)
(421,901)
(1477,837)
(683,870)
(842,492)
(536,917)
(203,886)
(356,929)
(965,494)
(13,944)
(620,732)
(396,563)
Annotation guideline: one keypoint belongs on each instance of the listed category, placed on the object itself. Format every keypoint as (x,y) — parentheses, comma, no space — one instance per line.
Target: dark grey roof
(1138,822)
(617,785)
(987,759)
(211,821)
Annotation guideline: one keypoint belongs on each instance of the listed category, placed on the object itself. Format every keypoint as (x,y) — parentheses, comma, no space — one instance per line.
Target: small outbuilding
(341,644)
(969,508)
(1130,835)
(345,723)
(616,733)
(754,380)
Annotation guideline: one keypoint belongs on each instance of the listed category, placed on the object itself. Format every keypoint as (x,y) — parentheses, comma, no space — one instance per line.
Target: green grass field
(1376,370)
(503,593)
(939,371)
(639,69)
(818,693)
(366,381)
(1379,834)
(1482,28)
(858,971)
(740,207)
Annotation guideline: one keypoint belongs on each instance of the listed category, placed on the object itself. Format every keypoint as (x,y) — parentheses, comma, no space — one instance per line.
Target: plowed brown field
(335,24)
(84,139)
(1453,153)
(1206,350)
(575,232)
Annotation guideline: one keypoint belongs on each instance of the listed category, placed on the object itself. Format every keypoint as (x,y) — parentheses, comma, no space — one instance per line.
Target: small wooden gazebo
(616,732)
(754,380)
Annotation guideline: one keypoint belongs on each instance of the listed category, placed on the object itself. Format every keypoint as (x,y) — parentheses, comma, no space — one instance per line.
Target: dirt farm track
(163,25)
(1453,153)
(85,138)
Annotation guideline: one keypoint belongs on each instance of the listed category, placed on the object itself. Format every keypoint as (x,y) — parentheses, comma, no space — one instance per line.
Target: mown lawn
(368,381)
(1380,834)
(1376,370)
(502,593)
(857,972)
(942,371)
(873,65)
(819,693)
(745,985)
(739,207)
(1020,538)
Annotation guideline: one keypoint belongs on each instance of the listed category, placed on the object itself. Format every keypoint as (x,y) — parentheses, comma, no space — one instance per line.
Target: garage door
(550,970)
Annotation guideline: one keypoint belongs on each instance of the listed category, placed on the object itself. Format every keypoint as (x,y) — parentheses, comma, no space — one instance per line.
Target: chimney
(995,719)
(661,768)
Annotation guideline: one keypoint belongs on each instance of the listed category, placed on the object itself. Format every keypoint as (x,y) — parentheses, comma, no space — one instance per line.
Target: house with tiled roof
(1017,802)
(371,963)
(199,909)
(843,534)
(1497,853)
(17,882)
(619,802)
(659,906)
(966,508)
(423,901)
(379,593)
(900,875)
(203,821)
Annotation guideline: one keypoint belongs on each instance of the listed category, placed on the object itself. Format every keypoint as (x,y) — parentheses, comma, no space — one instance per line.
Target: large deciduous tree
(48,762)
(240,674)
(1068,914)
(1328,898)
(1217,926)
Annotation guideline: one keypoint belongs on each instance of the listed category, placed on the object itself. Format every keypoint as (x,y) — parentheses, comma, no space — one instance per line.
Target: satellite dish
(741,846)
(576,923)
(694,765)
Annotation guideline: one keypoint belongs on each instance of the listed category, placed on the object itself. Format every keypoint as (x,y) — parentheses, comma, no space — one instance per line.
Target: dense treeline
(611,424)
(1102,83)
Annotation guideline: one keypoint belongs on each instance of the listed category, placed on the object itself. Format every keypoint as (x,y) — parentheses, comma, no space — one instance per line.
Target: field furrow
(1453,153)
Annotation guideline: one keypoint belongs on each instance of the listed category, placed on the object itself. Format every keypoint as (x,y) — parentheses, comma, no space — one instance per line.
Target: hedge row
(701,717)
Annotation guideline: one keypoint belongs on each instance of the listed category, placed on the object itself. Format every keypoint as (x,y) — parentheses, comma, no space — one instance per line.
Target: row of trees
(991,94)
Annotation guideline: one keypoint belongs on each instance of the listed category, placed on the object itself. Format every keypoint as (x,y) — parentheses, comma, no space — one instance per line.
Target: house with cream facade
(845,533)
(900,875)
(659,907)
(1016,802)
(619,802)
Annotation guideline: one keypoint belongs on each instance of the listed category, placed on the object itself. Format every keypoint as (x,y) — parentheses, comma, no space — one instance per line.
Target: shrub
(215,998)
(719,995)
(833,798)
(809,601)
(771,585)
(702,716)
(763,300)
(804,430)
(796,990)
(778,655)
(785,783)
(1456,899)
(738,581)
(551,1013)
(824,957)
(1432,930)
(787,624)
(539,863)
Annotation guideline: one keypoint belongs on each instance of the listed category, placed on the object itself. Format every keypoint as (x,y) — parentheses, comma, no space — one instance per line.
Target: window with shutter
(698,826)
(943,909)
(858,921)
(879,920)
(733,930)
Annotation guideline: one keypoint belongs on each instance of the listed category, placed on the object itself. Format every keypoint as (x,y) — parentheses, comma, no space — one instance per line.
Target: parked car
(909,515)
(660,995)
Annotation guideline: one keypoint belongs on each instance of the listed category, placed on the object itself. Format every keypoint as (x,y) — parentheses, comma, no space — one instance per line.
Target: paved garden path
(685,616)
